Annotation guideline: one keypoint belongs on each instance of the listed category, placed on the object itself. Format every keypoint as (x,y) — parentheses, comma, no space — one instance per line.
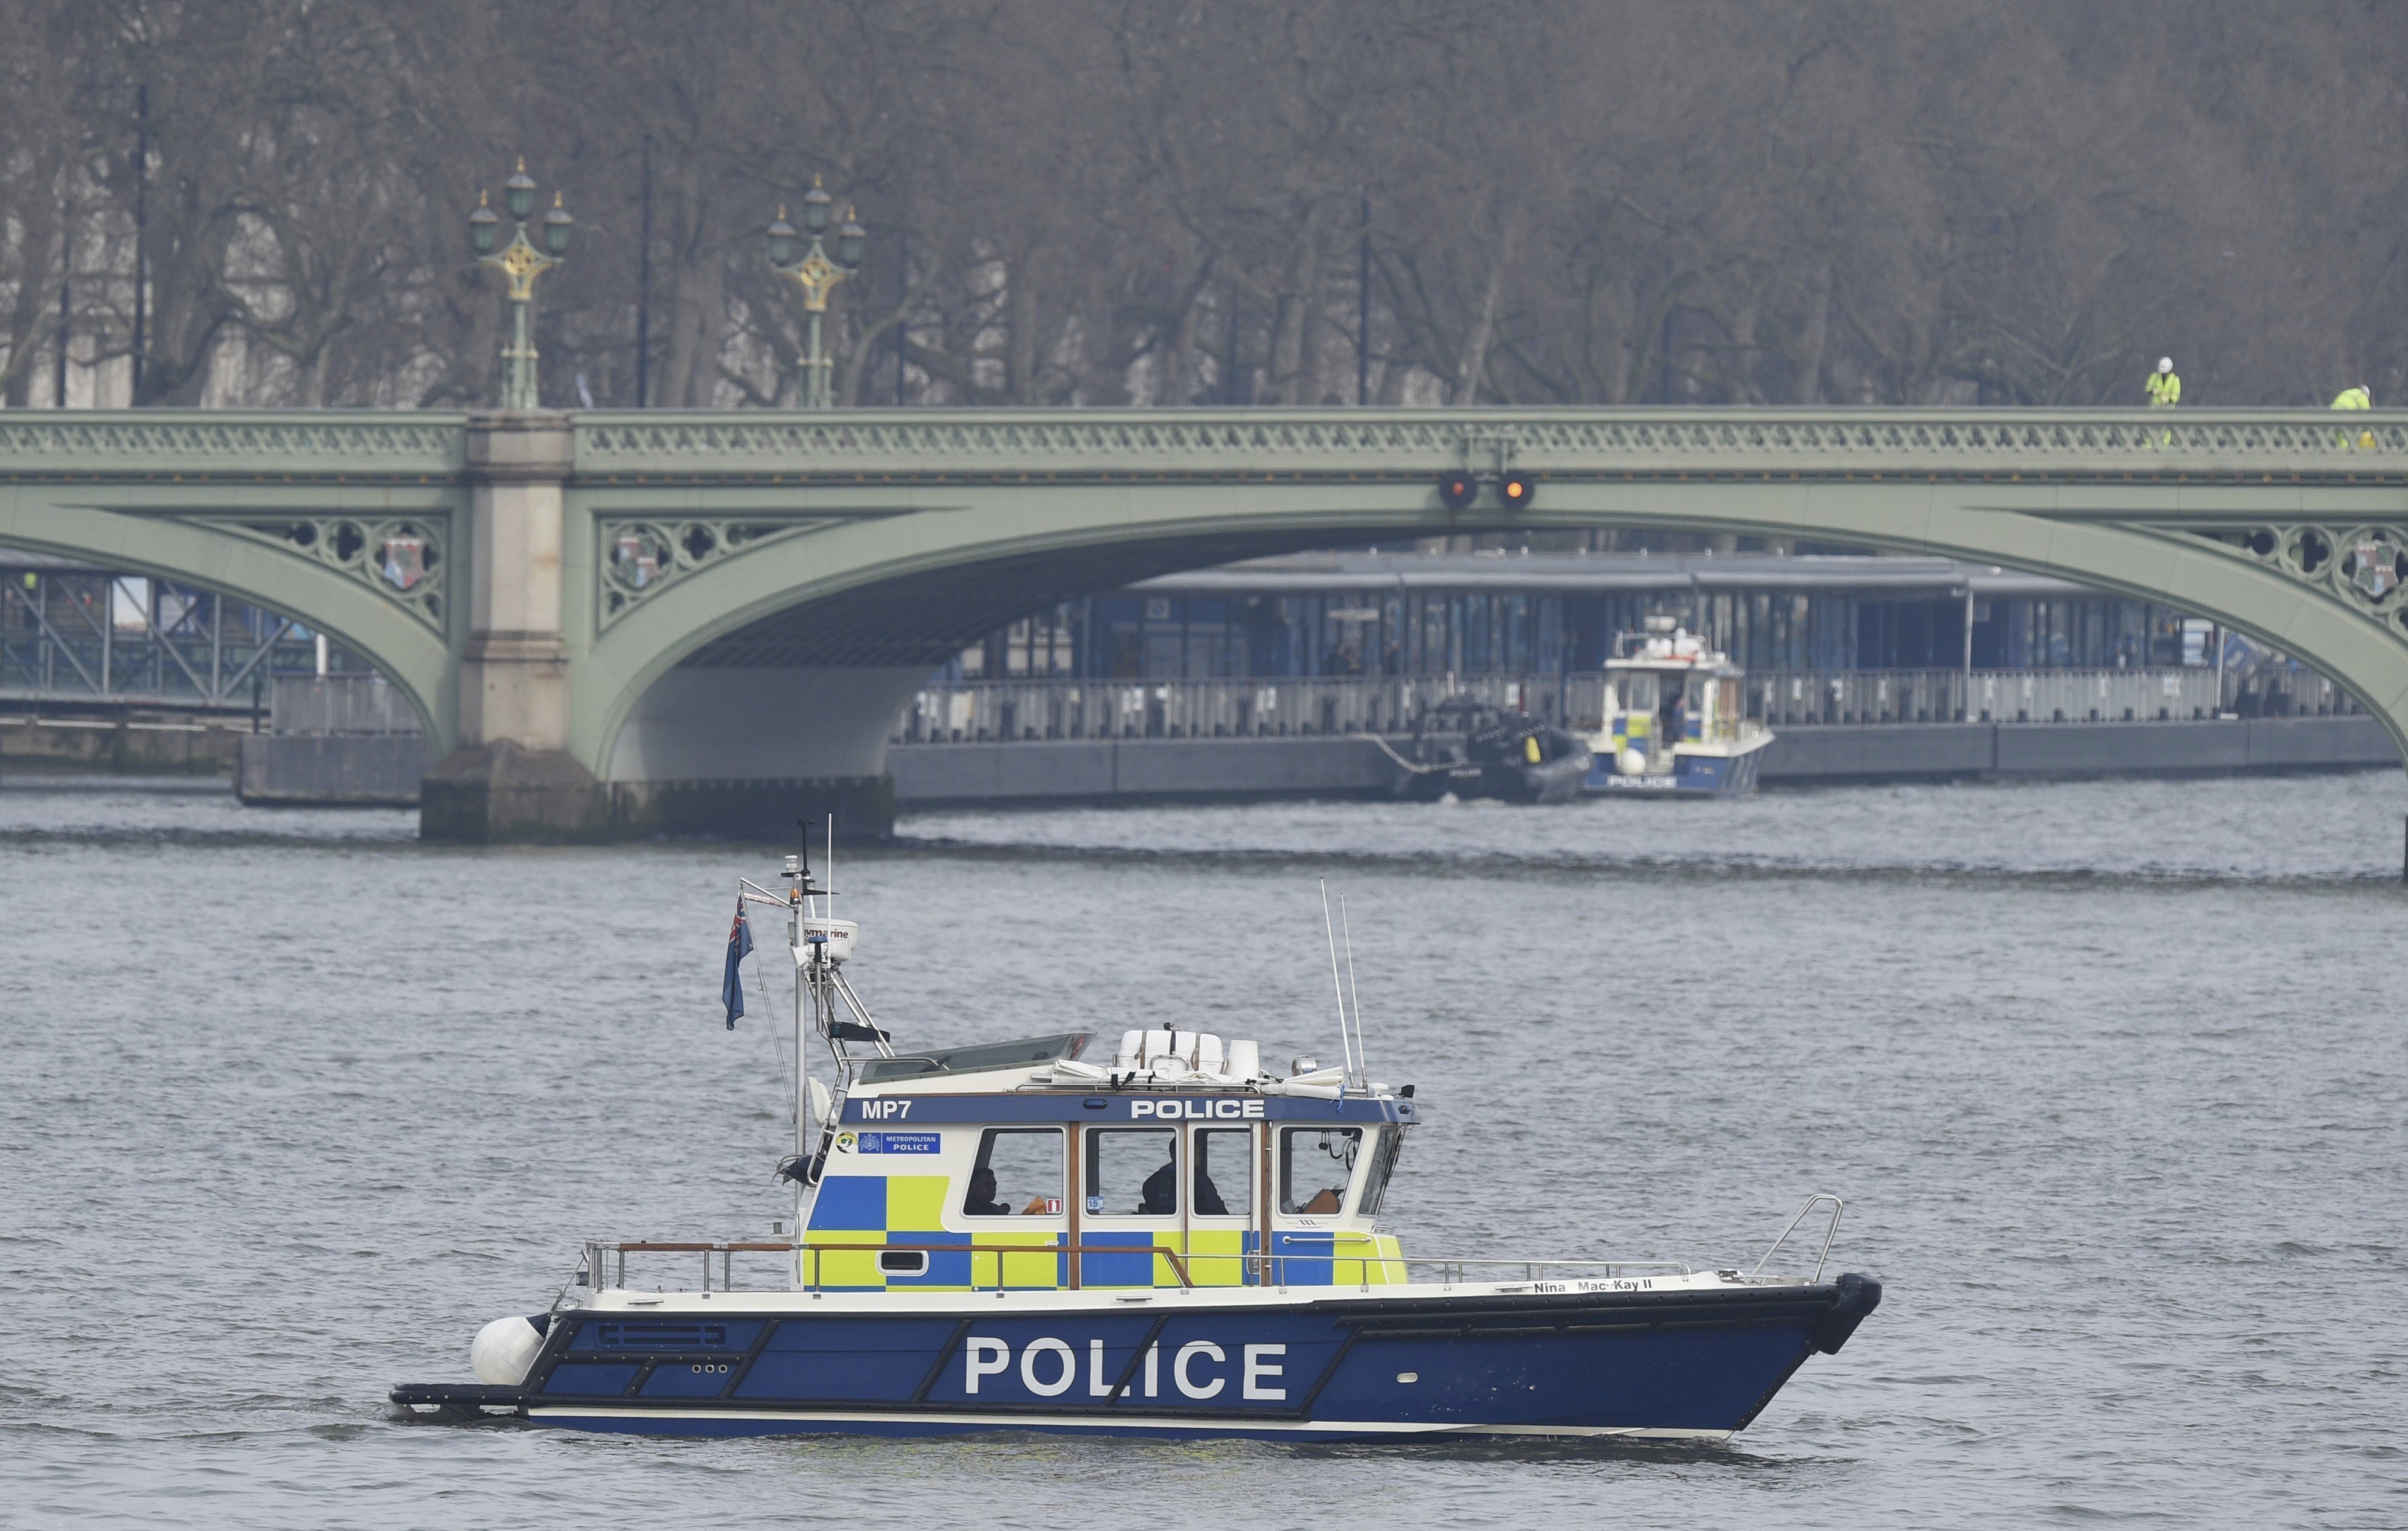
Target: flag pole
(794,897)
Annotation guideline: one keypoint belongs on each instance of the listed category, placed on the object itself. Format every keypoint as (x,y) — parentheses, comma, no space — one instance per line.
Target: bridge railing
(1029,711)
(341,703)
(2186,693)
(990,712)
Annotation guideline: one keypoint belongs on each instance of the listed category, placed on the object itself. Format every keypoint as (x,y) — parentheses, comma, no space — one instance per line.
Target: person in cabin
(982,1202)
(1160,1196)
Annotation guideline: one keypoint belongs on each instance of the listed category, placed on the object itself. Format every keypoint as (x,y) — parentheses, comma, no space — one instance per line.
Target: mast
(797,878)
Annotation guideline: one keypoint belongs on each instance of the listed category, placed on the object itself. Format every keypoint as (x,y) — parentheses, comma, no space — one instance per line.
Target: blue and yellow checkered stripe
(908,1210)
(1337,1259)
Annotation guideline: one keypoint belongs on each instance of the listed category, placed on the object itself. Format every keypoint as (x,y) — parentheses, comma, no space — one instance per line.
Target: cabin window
(1637,693)
(1224,1173)
(903,1261)
(1384,1163)
(1018,1174)
(1133,1172)
(1316,1164)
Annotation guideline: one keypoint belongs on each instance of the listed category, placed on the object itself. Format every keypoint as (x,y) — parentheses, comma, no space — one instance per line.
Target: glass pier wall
(1544,614)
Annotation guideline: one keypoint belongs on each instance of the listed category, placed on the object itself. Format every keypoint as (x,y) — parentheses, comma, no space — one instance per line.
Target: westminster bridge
(618,622)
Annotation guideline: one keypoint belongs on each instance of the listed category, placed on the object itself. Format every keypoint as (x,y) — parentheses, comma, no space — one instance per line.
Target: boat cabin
(1183,1163)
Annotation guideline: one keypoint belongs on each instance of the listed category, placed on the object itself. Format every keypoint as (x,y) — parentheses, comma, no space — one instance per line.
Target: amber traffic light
(1517,490)
(1458,490)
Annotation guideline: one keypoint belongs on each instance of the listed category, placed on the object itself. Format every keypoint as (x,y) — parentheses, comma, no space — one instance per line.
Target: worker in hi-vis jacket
(2165,391)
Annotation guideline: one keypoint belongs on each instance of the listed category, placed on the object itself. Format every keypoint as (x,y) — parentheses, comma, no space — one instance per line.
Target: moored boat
(1508,755)
(1675,719)
(1170,1239)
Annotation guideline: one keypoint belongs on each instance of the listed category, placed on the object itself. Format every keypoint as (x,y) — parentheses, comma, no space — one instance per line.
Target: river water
(2112,1074)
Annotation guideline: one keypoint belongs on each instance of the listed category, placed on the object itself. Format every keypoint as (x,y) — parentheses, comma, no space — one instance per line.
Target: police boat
(1510,756)
(1166,1239)
(1675,723)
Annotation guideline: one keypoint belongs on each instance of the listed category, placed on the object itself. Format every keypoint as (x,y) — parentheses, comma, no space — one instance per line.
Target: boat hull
(1732,775)
(1688,1364)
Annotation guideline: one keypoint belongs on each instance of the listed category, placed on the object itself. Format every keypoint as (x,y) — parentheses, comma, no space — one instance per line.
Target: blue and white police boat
(1675,721)
(1168,1239)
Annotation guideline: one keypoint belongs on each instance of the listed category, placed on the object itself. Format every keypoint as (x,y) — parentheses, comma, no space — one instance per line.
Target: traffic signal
(1517,490)
(1456,491)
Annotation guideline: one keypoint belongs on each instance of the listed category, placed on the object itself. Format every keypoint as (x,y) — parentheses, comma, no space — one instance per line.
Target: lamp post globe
(850,240)
(518,194)
(483,224)
(556,224)
(817,203)
(782,241)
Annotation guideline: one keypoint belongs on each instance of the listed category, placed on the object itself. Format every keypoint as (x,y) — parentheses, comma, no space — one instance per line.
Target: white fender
(504,1349)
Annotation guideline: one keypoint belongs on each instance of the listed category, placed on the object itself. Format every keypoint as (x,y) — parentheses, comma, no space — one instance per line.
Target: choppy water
(2113,1074)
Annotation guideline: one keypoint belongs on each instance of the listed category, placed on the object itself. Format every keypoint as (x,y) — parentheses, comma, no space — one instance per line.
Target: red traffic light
(1456,491)
(1516,489)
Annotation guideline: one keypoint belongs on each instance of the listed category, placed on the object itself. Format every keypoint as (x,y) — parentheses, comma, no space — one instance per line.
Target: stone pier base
(505,794)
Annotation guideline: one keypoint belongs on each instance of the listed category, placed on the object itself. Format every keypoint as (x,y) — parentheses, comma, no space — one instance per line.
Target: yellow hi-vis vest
(2165,388)
(2353,398)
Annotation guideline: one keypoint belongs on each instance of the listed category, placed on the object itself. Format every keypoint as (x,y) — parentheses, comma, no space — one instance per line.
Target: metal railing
(605,1264)
(1829,1234)
(2165,694)
(341,703)
(1922,696)
(984,711)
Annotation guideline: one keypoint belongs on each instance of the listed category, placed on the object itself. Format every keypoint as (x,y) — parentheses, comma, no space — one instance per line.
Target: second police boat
(1676,723)
(1164,1238)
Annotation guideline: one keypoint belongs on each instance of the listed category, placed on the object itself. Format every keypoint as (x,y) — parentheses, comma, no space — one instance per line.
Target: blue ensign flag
(739,946)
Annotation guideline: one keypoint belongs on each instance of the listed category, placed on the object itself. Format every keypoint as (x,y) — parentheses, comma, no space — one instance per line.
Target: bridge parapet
(199,445)
(1942,445)
(2268,446)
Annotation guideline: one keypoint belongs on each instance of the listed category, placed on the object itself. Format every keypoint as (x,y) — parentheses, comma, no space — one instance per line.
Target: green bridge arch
(303,543)
(2254,521)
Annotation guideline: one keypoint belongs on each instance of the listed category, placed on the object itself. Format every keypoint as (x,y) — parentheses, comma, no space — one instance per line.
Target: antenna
(803,865)
(1345,1048)
(1362,1064)
(831,861)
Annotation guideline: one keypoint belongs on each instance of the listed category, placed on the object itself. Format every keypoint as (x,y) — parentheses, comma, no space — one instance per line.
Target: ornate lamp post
(817,273)
(521,263)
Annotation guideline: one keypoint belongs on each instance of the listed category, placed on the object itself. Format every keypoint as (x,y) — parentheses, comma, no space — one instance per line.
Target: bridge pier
(735,753)
(511,776)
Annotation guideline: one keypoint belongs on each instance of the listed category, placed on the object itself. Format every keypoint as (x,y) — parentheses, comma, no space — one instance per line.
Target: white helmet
(2165,364)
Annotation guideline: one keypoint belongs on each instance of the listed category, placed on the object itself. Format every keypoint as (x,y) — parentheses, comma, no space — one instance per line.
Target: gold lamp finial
(522,165)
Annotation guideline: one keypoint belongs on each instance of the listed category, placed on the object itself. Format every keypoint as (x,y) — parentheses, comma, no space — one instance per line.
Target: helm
(2165,364)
